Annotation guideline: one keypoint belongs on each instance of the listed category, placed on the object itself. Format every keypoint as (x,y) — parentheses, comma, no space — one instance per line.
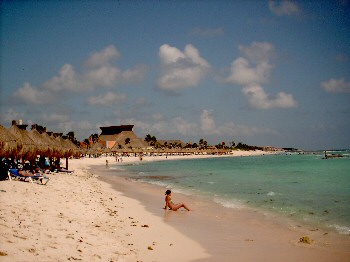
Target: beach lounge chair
(65,171)
(14,173)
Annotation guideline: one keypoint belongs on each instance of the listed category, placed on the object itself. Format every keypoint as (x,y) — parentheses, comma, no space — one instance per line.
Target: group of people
(36,169)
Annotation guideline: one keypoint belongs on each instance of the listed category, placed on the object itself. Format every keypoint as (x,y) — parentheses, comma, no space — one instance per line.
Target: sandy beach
(91,216)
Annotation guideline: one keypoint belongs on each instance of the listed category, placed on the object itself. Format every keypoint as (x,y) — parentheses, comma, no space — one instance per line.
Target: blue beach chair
(14,173)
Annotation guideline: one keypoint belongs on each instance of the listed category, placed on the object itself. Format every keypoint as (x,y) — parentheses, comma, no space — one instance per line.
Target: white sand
(80,218)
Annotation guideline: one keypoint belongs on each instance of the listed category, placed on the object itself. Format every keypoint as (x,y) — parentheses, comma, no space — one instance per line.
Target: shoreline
(244,233)
(92,215)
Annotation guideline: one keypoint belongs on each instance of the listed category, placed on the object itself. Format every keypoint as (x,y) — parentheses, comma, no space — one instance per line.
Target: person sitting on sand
(169,203)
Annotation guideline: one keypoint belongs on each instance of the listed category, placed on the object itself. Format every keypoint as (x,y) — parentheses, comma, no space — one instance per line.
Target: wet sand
(236,234)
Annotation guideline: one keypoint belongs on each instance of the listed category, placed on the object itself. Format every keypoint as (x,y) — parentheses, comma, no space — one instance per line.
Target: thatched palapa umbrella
(69,144)
(69,149)
(28,149)
(42,145)
(56,150)
(9,145)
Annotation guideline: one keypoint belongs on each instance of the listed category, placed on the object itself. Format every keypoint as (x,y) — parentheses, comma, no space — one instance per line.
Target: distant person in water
(169,203)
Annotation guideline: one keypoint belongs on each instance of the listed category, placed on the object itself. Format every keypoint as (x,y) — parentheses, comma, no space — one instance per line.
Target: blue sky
(259,72)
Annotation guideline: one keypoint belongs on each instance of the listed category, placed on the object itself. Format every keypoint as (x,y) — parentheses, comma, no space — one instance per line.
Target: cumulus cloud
(104,76)
(99,71)
(205,127)
(336,86)
(134,75)
(181,69)
(253,70)
(207,123)
(107,99)
(66,80)
(183,127)
(102,58)
(257,97)
(284,8)
(258,52)
(31,95)
(244,74)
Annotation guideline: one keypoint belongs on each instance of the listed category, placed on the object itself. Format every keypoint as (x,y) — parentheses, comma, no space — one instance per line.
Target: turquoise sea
(303,187)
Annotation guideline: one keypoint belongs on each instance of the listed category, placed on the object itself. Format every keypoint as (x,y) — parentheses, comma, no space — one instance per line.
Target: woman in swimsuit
(169,203)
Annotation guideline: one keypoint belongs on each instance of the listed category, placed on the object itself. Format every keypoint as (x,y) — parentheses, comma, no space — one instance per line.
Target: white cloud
(102,58)
(207,123)
(258,52)
(183,127)
(102,73)
(99,71)
(67,80)
(206,126)
(336,86)
(32,95)
(284,8)
(181,69)
(258,98)
(107,99)
(136,74)
(104,76)
(244,74)
(254,70)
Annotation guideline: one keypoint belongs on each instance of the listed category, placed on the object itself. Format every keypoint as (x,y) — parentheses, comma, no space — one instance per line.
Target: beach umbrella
(76,151)
(28,149)
(66,150)
(9,145)
(42,145)
(54,149)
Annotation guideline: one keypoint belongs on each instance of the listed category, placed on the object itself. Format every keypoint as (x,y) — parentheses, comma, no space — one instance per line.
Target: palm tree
(151,140)
(87,142)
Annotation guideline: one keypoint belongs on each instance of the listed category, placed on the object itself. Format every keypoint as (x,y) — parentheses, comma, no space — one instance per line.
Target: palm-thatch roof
(55,150)
(8,143)
(120,139)
(69,144)
(42,145)
(28,149)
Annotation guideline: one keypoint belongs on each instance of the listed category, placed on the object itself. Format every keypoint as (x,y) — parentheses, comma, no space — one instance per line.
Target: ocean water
(305,188)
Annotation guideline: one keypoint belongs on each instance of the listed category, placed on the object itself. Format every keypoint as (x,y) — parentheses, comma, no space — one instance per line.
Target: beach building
(120,137)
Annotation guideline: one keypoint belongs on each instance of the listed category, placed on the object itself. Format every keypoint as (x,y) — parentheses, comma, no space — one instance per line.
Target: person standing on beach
(169,203)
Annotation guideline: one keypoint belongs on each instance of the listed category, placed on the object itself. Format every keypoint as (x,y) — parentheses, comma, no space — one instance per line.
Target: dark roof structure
(114,130)
(116,137)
